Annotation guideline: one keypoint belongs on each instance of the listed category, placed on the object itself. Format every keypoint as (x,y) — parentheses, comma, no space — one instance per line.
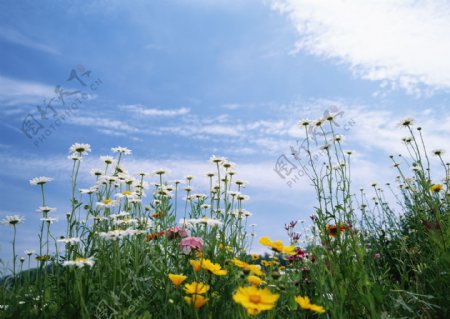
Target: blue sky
(178,81)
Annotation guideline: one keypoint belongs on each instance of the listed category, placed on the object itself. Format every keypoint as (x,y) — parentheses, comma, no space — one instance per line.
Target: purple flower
(296,237)
(300,255)
(291,225)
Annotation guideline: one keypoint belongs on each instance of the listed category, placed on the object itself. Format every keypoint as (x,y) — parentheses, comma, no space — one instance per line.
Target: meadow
(143,246)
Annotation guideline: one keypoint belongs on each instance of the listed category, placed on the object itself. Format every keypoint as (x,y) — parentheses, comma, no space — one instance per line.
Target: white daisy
(107,159)
(228,164)
(161,171)
(72,240)
(80,262)
(119,215)
(40,180)
(75,157)
(135,200)
(91,190)
(125,194)
(122,150)
(210,222)
(49,220)
(45,209)
(243,197)
(304,122)
(96,172)
(107,203)
(438,152)
(199,196)
(29,252)
(233,193)
(407,122)
(13,220)
(114,234)
(80,149)
(240,182)
(125,221)
(217,159)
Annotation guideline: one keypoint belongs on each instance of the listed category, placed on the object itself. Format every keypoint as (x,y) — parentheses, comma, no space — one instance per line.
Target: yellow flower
(197,300)
(255,299)
(266,263)
(227,248)
(306,304)
(254,280)
(215,269)
(255,256)
(43,258)
(277,246)
(177,279)
(197,288)
(127,193)
(196,264)
(436,188)
(252,268)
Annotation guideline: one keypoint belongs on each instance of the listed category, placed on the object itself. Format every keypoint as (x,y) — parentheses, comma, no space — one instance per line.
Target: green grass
(365,258)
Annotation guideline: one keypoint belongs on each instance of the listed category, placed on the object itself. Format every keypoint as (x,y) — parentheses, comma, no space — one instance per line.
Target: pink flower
(300,255)
(189,243)
(177,231)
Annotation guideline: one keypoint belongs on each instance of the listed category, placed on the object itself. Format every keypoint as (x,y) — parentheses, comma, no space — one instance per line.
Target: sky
(180,80)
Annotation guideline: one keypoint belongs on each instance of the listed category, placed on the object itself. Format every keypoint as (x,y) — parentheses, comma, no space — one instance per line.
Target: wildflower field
(142,246)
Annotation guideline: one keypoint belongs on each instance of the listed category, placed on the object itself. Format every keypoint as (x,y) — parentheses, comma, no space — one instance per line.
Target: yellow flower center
(107,201)
(255,298)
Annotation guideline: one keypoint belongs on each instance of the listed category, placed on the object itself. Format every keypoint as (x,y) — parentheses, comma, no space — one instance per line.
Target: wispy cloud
(401,43)
(231,106)
(148,111)
(14,36)
(18,92)
(376,130)
(104,124)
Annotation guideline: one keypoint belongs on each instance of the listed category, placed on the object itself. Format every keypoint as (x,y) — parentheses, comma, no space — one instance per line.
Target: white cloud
(231,106)
(22,96)
(16,37)
(17,92)
(109,125)
(403,43)
(376,130)
(147,111)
